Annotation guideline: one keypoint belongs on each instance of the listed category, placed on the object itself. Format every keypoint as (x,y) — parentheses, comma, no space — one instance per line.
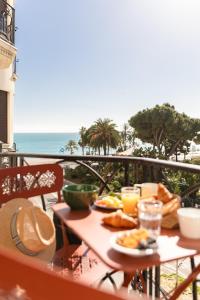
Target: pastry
(171,206)
(163,194)
(170,221)
(169,212)
(119,219)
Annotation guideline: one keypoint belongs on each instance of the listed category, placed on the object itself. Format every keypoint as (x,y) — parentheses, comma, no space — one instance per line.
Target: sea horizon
(44,142)
(16,132)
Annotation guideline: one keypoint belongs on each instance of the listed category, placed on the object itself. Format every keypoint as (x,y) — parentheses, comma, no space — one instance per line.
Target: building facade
(7,70)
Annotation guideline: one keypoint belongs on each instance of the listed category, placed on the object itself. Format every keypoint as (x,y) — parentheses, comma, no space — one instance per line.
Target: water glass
(150,216)
(130,196)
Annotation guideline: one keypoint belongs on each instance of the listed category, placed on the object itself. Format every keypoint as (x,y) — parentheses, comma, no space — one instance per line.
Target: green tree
(127,138)
(168,131)
(71,146)
(103,135)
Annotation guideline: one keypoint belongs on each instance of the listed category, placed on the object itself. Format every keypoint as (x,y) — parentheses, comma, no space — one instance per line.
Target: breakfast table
(87,225)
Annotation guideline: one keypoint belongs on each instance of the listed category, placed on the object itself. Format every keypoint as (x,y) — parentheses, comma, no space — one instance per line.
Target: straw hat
(27,229)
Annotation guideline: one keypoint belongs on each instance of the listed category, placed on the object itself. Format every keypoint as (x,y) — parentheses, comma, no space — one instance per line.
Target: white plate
(105,207)
(129,251)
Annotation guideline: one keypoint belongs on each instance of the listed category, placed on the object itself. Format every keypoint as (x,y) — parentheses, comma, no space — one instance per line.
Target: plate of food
(109,202)
(136,242)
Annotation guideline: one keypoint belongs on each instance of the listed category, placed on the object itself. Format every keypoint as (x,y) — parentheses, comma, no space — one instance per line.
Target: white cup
(189,221)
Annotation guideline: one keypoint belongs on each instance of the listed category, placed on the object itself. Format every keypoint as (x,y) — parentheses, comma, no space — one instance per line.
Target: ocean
(49,143)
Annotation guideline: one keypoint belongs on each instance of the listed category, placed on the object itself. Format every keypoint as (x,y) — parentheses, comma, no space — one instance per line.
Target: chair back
(30,181)
(40,283)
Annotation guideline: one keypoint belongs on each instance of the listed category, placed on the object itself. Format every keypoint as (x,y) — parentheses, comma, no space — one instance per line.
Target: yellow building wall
(7,83)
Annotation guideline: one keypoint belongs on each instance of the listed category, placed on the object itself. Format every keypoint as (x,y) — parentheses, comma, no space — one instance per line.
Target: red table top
(88,226)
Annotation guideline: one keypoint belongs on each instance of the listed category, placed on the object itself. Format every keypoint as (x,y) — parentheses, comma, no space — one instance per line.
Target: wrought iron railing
(7,22)
(134,169)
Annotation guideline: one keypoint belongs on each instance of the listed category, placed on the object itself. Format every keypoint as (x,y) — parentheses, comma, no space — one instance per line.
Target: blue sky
(84,59)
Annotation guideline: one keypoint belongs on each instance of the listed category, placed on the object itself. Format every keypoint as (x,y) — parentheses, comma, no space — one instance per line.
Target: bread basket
(169,213)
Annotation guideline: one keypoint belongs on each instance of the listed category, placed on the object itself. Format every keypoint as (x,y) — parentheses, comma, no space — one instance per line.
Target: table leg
(192,276)
(145,279)
(194,284)
(127,278)
(139,281)
(150,281)
(157,282)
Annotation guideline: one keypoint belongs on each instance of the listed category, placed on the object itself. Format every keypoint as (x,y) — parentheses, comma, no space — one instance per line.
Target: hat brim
(6,213)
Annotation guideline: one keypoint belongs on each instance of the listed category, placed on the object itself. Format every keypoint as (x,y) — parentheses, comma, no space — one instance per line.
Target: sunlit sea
(44,142)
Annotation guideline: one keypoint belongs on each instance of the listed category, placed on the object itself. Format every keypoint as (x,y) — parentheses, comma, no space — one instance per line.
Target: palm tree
(124,135)
(103,134)
(83,139)
(71,146)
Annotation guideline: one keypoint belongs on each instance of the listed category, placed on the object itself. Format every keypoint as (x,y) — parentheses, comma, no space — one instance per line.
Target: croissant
(169,213)
(163,194)
(171,206)
(119,219)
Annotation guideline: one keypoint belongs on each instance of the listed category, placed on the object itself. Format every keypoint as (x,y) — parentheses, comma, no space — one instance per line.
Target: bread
(170,221)
(169,213)
(119,219)
(163,194)
(171,206)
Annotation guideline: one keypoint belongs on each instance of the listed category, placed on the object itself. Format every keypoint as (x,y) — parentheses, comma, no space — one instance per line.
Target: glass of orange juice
(130,197)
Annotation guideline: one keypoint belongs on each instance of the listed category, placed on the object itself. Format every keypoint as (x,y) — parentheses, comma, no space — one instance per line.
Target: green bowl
(80,196)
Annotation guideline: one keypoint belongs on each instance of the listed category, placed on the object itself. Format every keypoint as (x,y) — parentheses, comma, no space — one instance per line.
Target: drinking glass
(130,196)
(148,189)
(150,216)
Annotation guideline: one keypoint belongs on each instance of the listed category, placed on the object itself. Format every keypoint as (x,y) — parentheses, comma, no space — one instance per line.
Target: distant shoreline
(46,132)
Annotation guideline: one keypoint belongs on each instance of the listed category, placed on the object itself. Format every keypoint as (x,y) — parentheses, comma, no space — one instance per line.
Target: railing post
(126,174)
(145,173)
(13,161)
(156,174)
(21,161)
(136,173)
